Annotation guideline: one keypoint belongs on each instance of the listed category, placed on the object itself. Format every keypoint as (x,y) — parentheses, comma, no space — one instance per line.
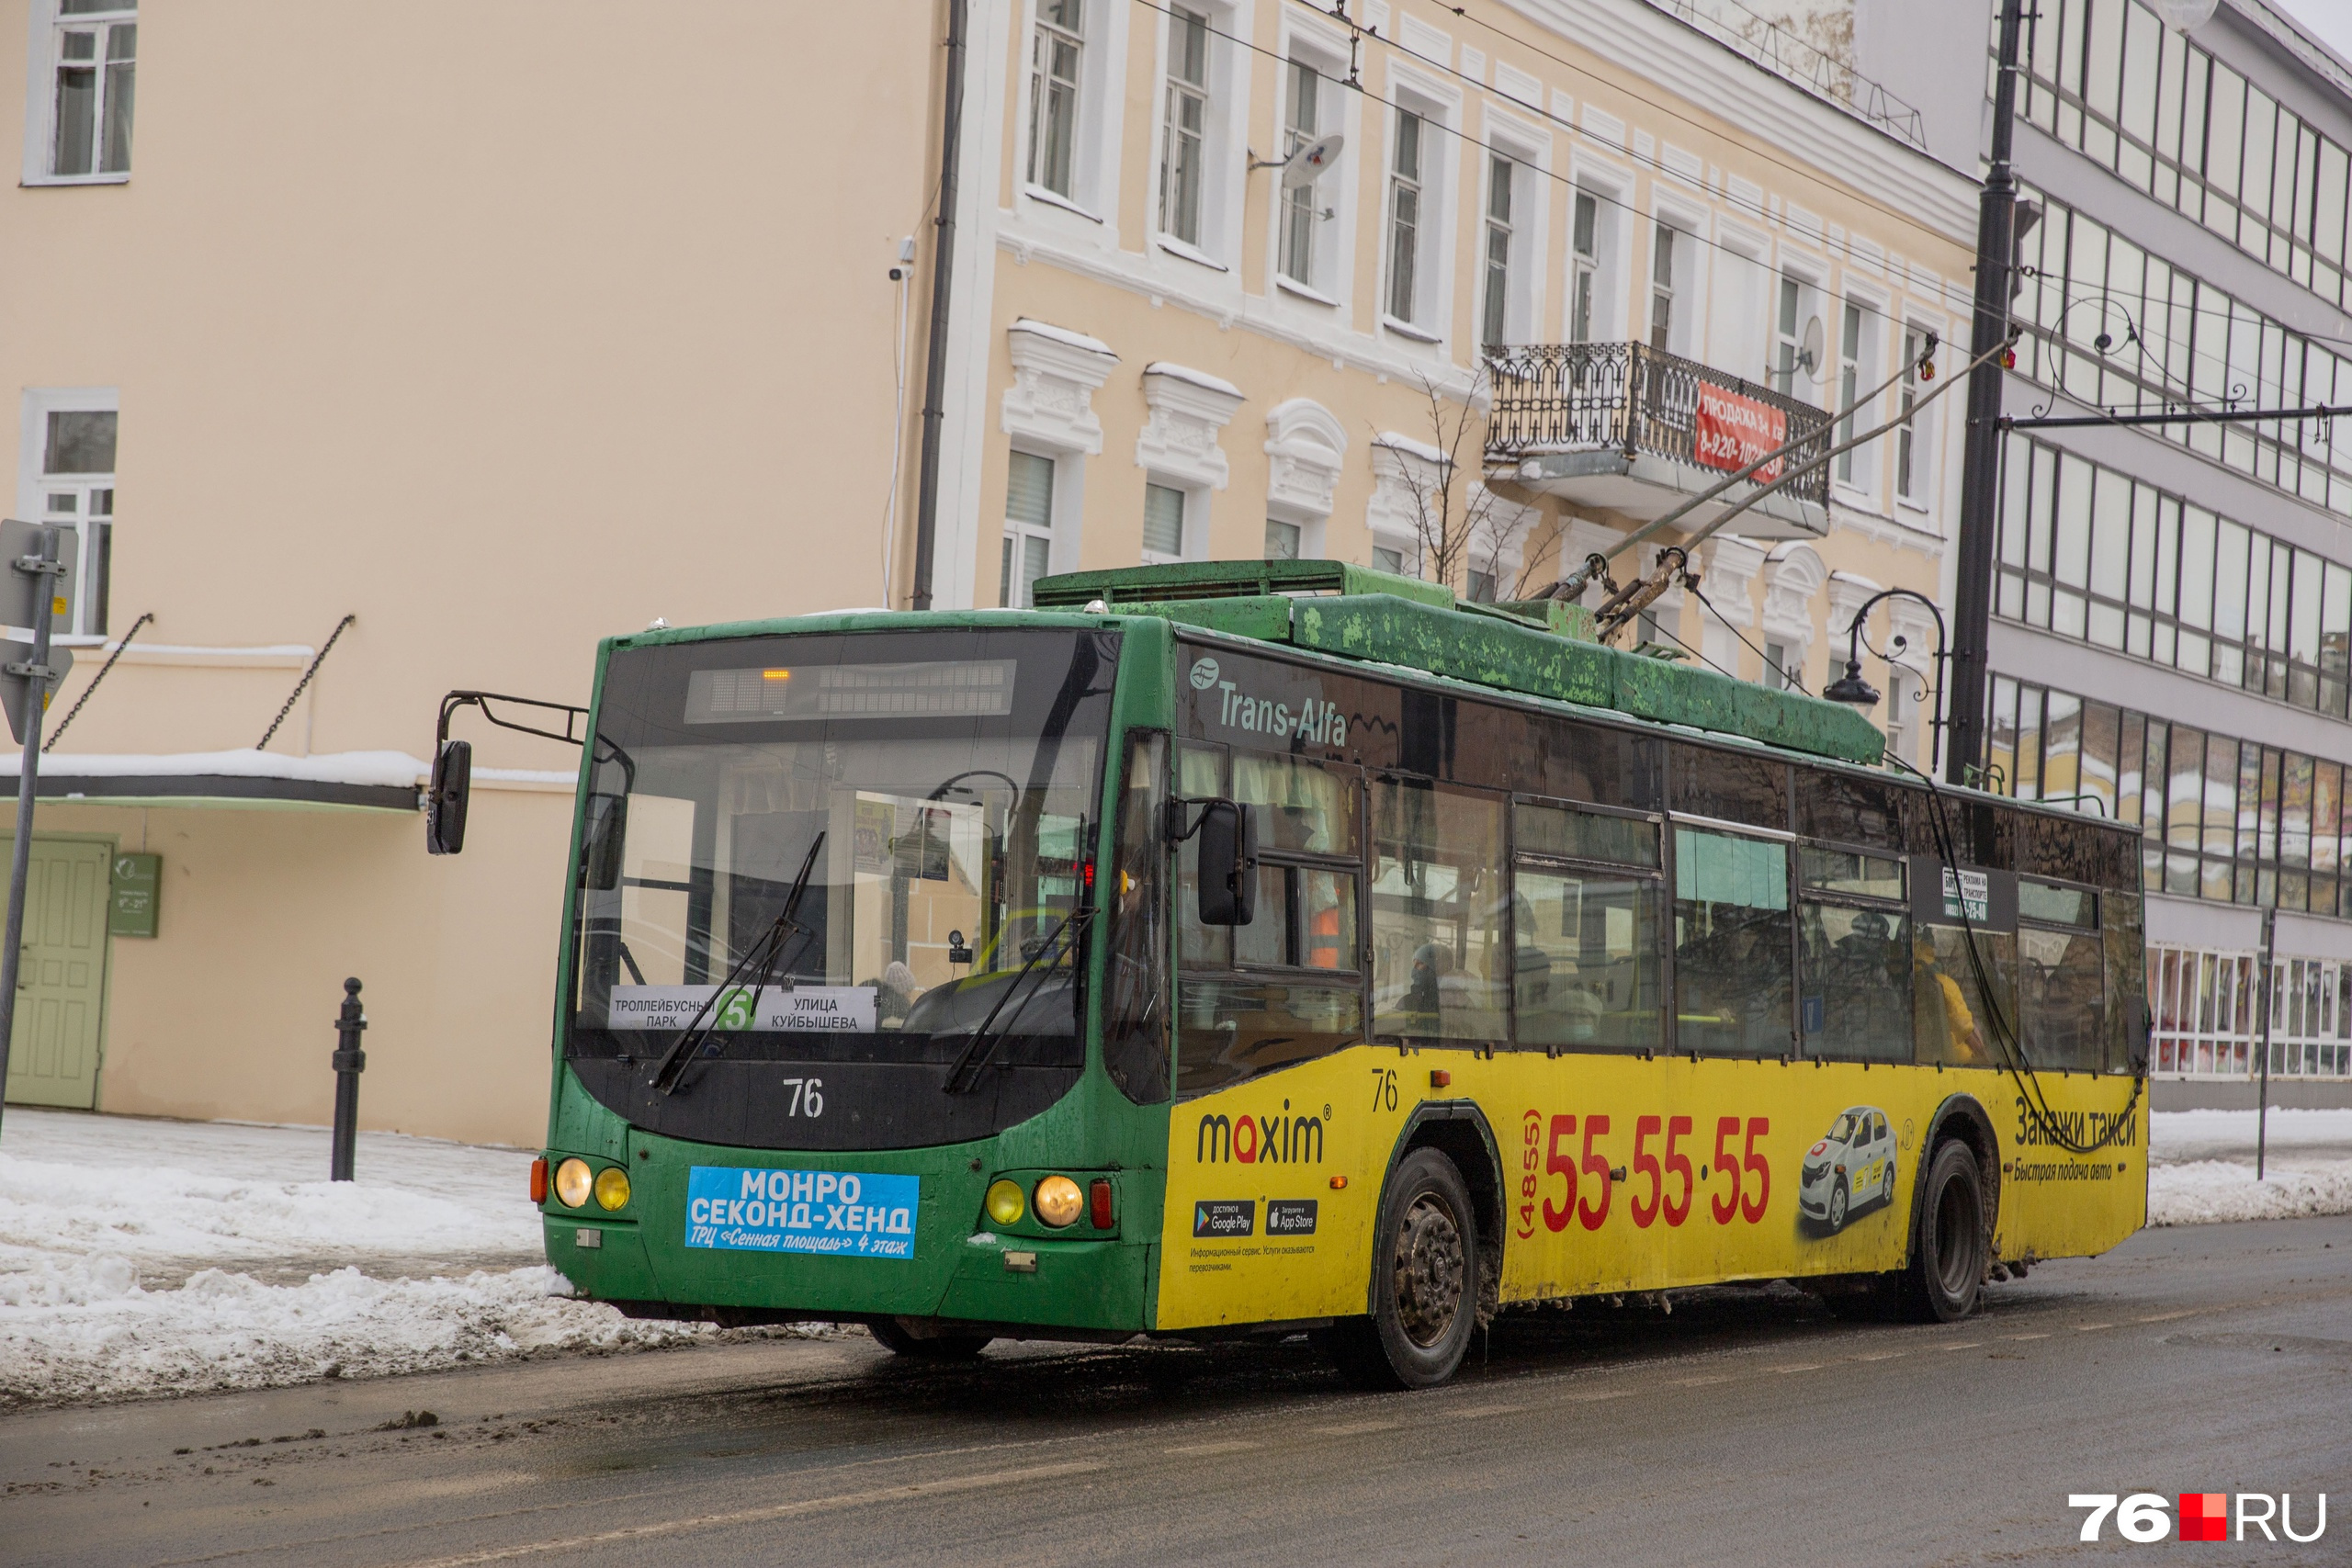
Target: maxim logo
(1260,1140)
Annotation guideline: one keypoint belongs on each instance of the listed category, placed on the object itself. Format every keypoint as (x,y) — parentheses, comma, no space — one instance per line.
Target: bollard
(350,1061)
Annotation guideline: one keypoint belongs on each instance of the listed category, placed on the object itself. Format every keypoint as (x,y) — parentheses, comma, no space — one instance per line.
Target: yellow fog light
(1059,1202)
(1005,1203)
(612,1187)
(572,1181)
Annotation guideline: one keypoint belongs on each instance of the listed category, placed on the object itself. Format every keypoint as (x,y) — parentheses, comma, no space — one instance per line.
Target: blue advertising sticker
(837,1213)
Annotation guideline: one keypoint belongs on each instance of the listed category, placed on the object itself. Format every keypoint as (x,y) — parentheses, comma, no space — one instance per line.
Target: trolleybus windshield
(949,785)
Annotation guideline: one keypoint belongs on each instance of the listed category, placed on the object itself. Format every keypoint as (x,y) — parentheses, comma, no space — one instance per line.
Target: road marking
(2167,1316)
(778,1511)
(1964,1344)
(1599,1394)
(2025,1336)
(1880,1356)
(1355,1428)
(1702,1383)
(1799,1367)
(2091,1327)
(1470,1412)
(1230,1446)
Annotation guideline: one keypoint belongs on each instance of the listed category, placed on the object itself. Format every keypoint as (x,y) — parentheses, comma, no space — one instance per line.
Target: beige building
(499,328)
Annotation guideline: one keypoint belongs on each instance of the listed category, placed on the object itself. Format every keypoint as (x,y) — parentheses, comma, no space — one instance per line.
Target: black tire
(1840,1206)
(1947,1271)
(1425,1282)
(1886,1188)
(891,1334)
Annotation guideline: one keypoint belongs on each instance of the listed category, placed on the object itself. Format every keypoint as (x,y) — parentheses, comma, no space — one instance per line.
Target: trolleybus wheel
(892,1336)
(1947,1268)
(1424,1282)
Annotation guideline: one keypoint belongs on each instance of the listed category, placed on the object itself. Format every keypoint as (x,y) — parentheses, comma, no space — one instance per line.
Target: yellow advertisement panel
(1617,1173)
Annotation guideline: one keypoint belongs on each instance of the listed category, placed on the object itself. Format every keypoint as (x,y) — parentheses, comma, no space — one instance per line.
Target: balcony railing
(1583,395)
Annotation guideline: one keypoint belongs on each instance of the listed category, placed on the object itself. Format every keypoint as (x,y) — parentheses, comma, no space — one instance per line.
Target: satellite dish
(1310,162)
(1809,355)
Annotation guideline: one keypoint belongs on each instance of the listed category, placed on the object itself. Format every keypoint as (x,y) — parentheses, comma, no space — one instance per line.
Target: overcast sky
(2331,19)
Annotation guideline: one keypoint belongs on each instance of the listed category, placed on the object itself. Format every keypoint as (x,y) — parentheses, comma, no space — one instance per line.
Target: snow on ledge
(1052,333)
(1200,378)
(394,770)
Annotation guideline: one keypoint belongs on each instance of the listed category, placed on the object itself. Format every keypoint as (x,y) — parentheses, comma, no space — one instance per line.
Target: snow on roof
(1197,378)
(1063,334)
(377,769)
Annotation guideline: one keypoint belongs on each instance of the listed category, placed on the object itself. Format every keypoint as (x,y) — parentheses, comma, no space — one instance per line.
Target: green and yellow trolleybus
(1241,948)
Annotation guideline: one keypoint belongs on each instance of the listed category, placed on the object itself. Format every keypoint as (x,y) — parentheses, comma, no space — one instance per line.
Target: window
(1497,317)
(1849,381)
(1286,987)
(1282,540)
(92,50)
(1950,1022)
(1779,671)
(1405,217)
(1482,587)
(1183,148)
(1028,528)
(1388,557)
(1731,944)
(1911,450)
(1585,967)
(1789,356)
(1054,59)
(1163,523)
(1584,262)
(74,491)
(1134,1017)
(1439,964)
(1299,215)
(1854,940)
(1662,289)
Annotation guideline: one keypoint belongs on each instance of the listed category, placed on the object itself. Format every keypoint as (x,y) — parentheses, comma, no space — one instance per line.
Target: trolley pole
(1980,491)
(40,565)
(350,1061)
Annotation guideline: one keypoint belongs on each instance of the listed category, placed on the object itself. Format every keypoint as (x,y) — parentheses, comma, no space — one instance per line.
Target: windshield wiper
(768,951)
(964,1077)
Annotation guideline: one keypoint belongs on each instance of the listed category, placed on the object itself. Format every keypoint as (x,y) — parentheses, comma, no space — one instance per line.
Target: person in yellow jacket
(1946,1025)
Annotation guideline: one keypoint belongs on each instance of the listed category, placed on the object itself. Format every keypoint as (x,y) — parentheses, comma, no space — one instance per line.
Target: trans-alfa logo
(1315,720)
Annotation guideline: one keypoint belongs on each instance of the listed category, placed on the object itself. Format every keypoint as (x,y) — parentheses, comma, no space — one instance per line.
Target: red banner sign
(1733,430)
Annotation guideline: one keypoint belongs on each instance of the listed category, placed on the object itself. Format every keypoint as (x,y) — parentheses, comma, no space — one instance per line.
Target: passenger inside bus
(1947,1026)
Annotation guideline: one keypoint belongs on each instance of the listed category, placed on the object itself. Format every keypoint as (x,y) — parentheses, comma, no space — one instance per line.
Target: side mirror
(1229,886)
(600,866)
(445,802)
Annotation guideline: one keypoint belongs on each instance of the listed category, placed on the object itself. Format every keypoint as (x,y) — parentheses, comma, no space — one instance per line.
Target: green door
(60,987)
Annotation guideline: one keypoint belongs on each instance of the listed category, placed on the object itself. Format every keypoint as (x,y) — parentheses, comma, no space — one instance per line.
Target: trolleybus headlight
(572,1180)
(1059,1202)
(1005,1203)
(612,1187)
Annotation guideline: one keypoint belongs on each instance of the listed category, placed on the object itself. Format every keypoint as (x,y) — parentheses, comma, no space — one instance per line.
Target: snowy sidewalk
(140,1257)
(2201,1166)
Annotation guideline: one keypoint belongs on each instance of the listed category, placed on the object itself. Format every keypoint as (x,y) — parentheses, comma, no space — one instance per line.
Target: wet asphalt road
(1747,1428)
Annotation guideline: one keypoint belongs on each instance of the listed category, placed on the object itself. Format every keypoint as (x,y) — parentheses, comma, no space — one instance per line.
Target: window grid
(2193,344)
(2230,822)
(1584,243)
(2206,1006)
(1910,473)
(1184,144)
(1662,289)
(95,48)
(1028,529)
(2110,80)
(1497,321)
(1405,217)
(2089,553)
(1054,60)
(1850,368)
(1298,202)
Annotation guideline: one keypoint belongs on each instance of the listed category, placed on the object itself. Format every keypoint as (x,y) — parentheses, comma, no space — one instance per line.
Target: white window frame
(1095,152)
(34,487)
(1014,532)
(1186,106)
(1687,325)
(1919,435)
(1331,201)
(1784,373)
(1861,361)
(1526,150)
(1192,526)
(1610,190)
(1224,132)
(44,50)
(1432,187)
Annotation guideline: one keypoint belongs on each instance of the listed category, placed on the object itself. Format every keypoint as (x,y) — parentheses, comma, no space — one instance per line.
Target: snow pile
(82,1328)
(2201,1165)
(115,1231)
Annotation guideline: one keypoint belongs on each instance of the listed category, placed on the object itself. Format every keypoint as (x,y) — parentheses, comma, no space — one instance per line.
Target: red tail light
(1099,1203)
(539,1180)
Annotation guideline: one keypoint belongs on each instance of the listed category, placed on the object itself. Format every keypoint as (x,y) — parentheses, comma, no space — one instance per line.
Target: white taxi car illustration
(1851,1168)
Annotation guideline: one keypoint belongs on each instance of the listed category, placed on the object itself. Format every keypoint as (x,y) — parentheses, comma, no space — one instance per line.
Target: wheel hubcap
(1429,1271)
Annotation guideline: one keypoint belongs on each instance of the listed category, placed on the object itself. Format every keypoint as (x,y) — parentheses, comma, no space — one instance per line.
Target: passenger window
(2062,976)
(1851,872)
(1951,1025)
(1200,775)
(1856,1004)
(1438,905)
(1731,944)
(1303,807)
(1307,920)
(1135,1003)
(1586,966)
(1235,1027)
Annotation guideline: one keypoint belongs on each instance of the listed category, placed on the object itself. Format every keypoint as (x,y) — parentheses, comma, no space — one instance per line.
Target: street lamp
(1850,688)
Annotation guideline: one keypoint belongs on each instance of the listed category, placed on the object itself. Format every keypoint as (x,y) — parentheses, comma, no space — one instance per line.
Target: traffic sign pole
(43,570)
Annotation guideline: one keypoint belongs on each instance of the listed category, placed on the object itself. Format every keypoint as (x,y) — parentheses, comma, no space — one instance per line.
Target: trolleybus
(1247,948)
